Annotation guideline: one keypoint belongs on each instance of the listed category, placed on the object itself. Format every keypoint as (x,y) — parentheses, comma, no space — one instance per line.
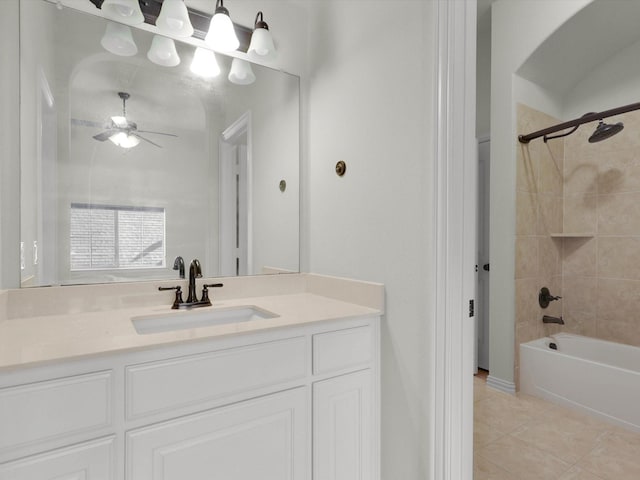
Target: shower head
(604,131)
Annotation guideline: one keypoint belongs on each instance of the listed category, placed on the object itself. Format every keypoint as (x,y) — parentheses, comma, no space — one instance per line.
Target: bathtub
(594,376)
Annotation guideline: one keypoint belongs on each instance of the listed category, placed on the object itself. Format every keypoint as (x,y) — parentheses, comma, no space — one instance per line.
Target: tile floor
(522,437)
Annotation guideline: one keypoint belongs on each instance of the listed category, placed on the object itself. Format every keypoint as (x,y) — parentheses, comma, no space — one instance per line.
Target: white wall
(518,28)
(276,156)
(612,84)
(483,82)
(10,141)
(370,104)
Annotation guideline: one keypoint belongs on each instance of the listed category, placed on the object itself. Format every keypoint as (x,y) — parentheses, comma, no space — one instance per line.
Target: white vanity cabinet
(263,438)
(344,416)
(91,460)
(292,403)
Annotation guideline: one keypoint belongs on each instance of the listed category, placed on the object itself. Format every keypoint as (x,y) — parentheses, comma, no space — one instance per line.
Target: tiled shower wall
(601,275)
(538,214)
(571,186)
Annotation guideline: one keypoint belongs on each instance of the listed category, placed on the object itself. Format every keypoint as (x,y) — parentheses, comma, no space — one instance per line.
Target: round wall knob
(341,168)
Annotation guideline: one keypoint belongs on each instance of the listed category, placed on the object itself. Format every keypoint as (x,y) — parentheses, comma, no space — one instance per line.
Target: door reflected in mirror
(127,164)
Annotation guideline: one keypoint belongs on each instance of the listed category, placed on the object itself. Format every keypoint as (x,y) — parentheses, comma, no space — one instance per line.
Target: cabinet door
(86,461)
(344,437)
(264,438)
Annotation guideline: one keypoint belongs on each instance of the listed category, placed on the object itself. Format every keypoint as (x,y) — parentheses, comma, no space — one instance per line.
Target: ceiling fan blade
(105,135)
(146,139)
(87,123)
(157,133)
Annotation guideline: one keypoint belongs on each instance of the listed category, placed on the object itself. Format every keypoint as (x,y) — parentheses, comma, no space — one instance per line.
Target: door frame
(483,254)
(227,145)
(455,174)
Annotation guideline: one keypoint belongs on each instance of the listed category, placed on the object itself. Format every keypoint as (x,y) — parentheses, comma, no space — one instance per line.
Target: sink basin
(207,317)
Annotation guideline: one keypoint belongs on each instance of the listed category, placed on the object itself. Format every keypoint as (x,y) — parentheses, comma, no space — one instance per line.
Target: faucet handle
(205,291)
(178,299)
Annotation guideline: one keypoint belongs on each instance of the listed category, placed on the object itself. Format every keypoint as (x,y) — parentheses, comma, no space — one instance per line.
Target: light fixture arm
(220,8)
(260,23)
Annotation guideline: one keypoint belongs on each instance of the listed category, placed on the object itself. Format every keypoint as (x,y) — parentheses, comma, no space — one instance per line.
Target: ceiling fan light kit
(120,131)
(123,140)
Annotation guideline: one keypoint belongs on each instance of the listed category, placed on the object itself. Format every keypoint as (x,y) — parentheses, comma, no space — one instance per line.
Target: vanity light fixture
(261,46)
(241,72)
(204,63)
(124,11)
(118,40)
(221,35)
(174,19)
(163,52)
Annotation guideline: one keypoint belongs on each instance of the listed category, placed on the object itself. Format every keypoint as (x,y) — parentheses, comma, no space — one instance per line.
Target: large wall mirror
(213,174)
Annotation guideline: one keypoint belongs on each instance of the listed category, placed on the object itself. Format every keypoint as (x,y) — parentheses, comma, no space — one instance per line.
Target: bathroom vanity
(295,395)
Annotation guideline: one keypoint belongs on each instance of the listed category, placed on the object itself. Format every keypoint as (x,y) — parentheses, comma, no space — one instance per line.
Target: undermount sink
(168,322)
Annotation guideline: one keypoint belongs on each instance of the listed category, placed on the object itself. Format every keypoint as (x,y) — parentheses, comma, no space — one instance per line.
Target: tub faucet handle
(545,297)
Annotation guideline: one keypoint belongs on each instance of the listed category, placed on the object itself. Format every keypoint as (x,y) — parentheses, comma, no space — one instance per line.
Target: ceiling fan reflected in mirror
(121,131)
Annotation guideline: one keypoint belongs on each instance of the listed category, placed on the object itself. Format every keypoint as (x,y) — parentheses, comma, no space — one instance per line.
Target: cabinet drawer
(342,349)
(86,461)
(264,438)
(192,380)
(56,408)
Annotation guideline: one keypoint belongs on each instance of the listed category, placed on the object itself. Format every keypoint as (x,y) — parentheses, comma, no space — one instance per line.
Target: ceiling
(587,40)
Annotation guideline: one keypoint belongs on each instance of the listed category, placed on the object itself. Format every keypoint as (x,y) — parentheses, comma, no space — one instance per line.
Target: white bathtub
(594,376)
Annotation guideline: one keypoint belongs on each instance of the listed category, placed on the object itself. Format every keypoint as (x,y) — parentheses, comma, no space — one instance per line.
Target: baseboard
(501,385)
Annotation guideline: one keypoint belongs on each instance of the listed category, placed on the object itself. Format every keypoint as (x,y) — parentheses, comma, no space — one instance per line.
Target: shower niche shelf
(572,235)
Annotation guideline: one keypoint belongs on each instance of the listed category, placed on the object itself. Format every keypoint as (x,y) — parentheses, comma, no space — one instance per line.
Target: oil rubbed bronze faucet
(195,271)
(550,319)
(178,264)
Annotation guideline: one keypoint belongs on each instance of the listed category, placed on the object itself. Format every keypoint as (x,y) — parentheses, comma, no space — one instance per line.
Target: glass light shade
(118,40)
(119,121)
(125,11)
(174,19)
(204,63)
(261,46)
(123,140)
(221,35)
(241,72)
(163,52)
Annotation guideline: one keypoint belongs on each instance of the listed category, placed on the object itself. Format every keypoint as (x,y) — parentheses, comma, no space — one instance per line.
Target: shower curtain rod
(589,117)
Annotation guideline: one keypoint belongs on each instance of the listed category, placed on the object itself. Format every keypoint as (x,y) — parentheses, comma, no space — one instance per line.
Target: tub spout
(550,319)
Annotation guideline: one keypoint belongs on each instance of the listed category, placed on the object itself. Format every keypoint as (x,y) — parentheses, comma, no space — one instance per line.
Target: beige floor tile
(483,469)
(564,437)
(522,460)
(482,392)
(504,412)
(519,437)
(616,457)
(576,473)
(484,433)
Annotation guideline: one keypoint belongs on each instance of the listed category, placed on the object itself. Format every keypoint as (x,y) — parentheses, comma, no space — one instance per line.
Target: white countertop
(46,338)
